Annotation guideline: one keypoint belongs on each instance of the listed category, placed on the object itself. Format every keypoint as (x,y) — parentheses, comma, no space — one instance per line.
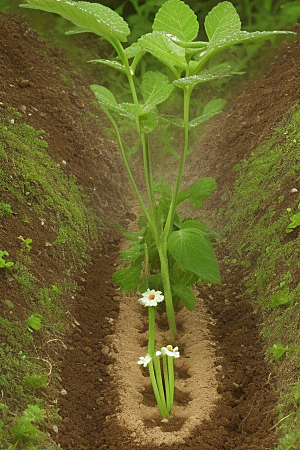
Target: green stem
(157,368)
(151,341)
(164,267)
(130,74)
(149,184)
(140,200)
(160,404)
(161,244)
(167,384)
(171,381)
(186,107)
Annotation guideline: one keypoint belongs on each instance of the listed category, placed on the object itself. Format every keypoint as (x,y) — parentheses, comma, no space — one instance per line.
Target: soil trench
(240,407)
(223,395)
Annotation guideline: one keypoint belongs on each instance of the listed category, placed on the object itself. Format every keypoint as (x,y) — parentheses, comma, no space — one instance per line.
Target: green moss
(257,218)
(32,178)
(36,180)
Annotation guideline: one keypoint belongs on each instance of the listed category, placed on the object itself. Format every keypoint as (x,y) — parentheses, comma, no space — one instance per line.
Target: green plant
(25,243)
(5,208)
(278,350)
(169,253)
(35,321)
(163,387)
(3,263)
(36,381)
(295,222)
(24,431)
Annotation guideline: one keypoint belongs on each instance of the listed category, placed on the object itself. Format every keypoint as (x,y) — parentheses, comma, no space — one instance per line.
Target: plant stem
(116,129)
(156,378)
(167,384)
(151,341)
(157,368)
(149,183)
(164,267)
(171,380)
(186,107)
(160,404)
(161,244)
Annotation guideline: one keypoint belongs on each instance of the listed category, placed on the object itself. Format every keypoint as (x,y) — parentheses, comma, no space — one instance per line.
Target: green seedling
(24,431)
(280,298)
(3,263)
(295,222)
(36,381)
(25,243)
(5,208)
(278,350)
(169,253)
(35,321)
(56,289)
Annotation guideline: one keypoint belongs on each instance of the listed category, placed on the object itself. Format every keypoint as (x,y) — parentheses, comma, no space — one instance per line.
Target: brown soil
(98,367)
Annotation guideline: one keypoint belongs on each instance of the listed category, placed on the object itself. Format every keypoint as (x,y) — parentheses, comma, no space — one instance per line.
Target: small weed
(25,243)
(3,263)
(277,351)
(36,381)
(35,321)
(24,432)
(295,222)
(9,304)
(5,208)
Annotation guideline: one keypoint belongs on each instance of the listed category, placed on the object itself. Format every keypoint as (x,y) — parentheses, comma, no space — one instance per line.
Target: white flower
(158,353)
(144,360)
(151,298)
(170,351)
(294,191)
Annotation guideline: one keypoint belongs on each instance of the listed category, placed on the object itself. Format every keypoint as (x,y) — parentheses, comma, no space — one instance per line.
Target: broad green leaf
(107,100)
(220,71)
(182,195)
(148,121)
(194,252)
(201,190)
(211,109)
(134,251)
(155,89)
(91,17)
(174,120)
(182,277)
(132,50)
(155,282)
(127,110)
(221,22)
(214,106)
(295,222)
(127,278)
(135,236)
(243,36)
(35,321)
(162,47)
(176,18)
(114,64)
(186,295)
(192,223)
(278,350)
(104,96)
(279,298)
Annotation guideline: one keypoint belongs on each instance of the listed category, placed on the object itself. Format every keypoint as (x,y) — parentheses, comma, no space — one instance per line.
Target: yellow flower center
(170,348)
(151,297)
